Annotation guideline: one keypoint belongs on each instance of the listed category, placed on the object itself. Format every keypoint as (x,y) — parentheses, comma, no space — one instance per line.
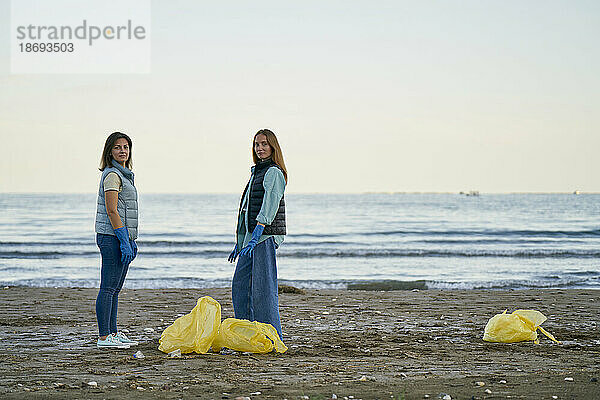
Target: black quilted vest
(255,199)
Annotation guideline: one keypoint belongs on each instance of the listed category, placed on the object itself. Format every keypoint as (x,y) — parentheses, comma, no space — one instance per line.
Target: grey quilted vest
(127,206)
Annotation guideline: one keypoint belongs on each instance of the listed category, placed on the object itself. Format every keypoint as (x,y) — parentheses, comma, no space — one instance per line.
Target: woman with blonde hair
(261,228)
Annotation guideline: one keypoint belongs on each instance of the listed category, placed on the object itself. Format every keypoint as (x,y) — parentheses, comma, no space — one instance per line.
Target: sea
(334,241)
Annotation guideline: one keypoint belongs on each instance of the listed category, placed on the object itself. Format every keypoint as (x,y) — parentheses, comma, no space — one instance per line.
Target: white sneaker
(111,343)
(120,336)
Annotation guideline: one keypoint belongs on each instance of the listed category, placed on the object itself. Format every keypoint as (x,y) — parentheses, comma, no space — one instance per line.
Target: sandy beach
(365,344)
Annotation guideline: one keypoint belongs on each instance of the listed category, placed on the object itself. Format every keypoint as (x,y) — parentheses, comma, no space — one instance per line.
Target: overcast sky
(386,96)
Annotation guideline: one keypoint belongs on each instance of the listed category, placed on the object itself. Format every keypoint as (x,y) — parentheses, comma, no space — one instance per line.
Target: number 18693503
(46,47)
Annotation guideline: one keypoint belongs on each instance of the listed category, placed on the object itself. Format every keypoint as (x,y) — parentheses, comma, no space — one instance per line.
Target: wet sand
(365,344)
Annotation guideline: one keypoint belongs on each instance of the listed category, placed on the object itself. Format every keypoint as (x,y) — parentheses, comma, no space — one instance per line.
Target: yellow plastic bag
(521,325)
(194,331)
(250,336)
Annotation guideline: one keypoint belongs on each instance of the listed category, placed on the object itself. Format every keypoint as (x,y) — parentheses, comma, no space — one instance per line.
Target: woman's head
(118,146)
(264,146)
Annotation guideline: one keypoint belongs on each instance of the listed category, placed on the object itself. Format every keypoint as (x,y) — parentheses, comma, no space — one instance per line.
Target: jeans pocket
(99,239)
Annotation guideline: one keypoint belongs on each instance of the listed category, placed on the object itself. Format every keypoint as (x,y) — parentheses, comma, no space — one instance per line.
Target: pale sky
(386,96)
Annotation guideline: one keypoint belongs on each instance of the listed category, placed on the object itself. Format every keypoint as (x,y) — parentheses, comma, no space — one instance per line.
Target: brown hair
(106,160)
(276,156)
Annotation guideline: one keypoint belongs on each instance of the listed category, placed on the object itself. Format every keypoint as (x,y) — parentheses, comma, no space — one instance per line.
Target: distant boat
(577,192)
(473,193)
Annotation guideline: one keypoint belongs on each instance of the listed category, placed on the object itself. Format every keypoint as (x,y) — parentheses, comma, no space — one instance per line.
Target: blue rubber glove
(256,234)
(126,251)
(233,255)
(134,247)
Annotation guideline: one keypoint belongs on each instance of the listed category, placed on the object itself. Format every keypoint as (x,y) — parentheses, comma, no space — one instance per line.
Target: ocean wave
(496,232)
(558,283)
(163,243)
(33,254)
(503,241)
(325,252)
(584,273)
(186,243)
(392,253)
(61,254)
(588,233)
(167,234)
(377,285)
(33,244)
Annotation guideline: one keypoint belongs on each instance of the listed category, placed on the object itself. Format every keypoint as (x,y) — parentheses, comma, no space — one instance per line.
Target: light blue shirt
(274,184)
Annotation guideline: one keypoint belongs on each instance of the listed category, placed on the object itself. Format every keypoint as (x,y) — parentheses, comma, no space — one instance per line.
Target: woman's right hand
(233,255)
(126,250)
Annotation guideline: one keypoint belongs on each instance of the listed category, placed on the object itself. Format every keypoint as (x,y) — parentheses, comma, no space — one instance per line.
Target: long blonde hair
(276,156)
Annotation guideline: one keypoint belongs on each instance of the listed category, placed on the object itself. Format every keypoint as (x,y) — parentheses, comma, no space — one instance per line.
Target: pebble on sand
(175,354)
(365,378)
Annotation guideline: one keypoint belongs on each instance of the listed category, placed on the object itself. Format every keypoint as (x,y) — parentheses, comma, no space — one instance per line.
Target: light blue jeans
(254,287)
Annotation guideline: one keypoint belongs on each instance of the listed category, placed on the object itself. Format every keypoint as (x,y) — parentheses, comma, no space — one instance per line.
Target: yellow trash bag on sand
(521,325)
(194,331)
(250,336)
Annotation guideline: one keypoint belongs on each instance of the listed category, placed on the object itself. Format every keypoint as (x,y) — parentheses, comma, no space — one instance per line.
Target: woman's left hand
(256,234)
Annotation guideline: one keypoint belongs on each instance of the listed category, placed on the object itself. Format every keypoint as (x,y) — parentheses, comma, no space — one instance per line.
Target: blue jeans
(112,277)
(254,286)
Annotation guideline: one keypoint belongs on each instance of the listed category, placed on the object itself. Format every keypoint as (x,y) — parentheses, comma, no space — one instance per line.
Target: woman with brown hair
(260,230)
(116,231)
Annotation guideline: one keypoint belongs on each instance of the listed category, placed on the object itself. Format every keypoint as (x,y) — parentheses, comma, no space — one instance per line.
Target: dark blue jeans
(112,277)
(254,287)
